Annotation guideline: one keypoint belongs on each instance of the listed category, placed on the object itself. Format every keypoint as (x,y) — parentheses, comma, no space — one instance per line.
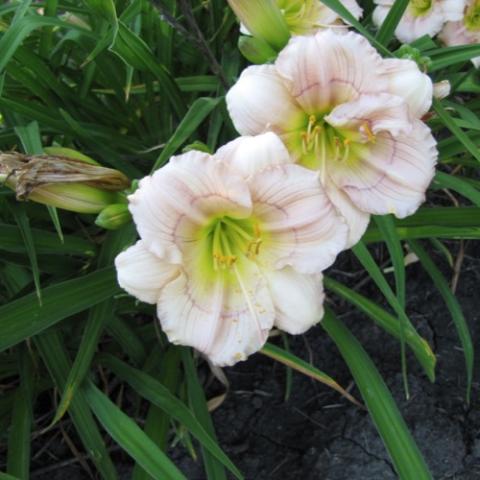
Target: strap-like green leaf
(389,25)
(130,436)
(292,361)
(52,349)
(401,446)
(389,323)
(453,307)
(24,318)
(149,388)
(196,114)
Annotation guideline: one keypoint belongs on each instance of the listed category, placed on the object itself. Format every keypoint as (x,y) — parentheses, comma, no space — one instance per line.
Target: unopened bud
(263,19)
(114,216)
(62,182)
(256,50)
(441,89)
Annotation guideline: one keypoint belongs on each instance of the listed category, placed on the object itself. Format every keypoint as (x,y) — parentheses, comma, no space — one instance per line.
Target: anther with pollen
(368,131)
(310,138)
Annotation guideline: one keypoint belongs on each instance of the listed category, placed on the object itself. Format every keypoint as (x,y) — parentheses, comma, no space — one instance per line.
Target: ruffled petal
(353,7)
(259,102)
(371,114)
(392,175)
(356,219)
(143,274)
(407,81)
(380,12)
(329,68)
(226,321)
(452,9)
(247,155)
(298,299)
(454,33)
(412,27)
(300,226)
(170,205)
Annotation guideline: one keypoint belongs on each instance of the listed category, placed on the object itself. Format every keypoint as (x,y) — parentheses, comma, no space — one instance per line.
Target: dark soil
(317,434)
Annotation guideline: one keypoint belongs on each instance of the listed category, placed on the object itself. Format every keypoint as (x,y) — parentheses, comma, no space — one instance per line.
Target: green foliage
(129,83)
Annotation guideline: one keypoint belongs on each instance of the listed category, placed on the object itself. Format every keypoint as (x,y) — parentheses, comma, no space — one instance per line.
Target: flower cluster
(349,115)
(422,17)
(303,17)
(464,31)
(233,244)
(457,22)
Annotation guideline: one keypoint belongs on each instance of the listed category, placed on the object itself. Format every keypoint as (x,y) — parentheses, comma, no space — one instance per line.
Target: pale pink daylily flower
(304,17)
(348,114)
(422,17)
(231,247)
(466,30)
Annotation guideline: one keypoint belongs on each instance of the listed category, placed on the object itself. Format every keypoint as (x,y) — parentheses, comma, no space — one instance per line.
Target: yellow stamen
(304,136)
(346,153)
(370,135)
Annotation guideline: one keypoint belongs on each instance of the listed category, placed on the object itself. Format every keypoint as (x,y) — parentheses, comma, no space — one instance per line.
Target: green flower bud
(256,50)
(264,20)
(114,216)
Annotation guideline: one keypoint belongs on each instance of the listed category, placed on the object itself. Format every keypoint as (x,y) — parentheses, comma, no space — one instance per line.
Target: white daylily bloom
(307,16)
(422,17)
(302,17)
(466,30)
(232,245)
(348,114)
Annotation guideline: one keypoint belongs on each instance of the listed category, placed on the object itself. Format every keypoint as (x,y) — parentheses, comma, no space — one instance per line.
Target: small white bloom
(466,30)
(422,17)
(349,115)
(232,245)
(302,17)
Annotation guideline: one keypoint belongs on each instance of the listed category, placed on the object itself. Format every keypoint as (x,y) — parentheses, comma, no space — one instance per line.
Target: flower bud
(61,181)
(441,89)
(114,216)
(256,50)
(263,19)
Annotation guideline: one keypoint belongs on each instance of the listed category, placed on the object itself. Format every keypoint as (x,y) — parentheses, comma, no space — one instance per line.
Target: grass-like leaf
(389,25)
(130,436)
(453,307)
(18,460)
(389,323)
(462,137)
(196,114)
(290,360)
(406,457)
(444,180)
(24,318)
(51,347)
(196,396)
(159,395)
(98,317)
(363,255)
(158,421)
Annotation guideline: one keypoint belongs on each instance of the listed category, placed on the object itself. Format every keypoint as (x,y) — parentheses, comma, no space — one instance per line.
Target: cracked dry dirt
(319,435)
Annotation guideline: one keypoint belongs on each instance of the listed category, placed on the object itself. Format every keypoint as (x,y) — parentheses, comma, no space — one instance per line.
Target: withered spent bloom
(61,181)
